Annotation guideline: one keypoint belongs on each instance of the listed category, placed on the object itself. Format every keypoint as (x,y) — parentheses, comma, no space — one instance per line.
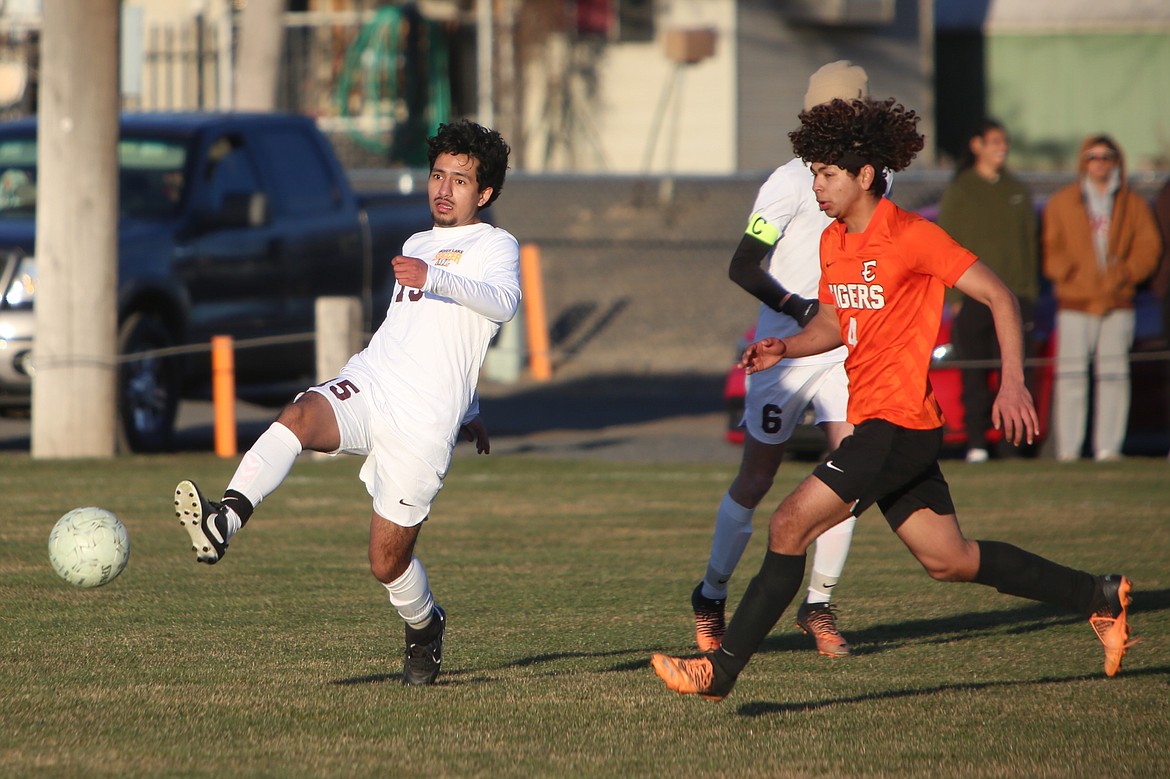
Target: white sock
(733,530)
(410,594)
(832,548)
(266,464)
(234,523)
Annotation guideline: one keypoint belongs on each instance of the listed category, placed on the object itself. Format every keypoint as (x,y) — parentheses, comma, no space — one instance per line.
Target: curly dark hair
(851,134)
(476,141)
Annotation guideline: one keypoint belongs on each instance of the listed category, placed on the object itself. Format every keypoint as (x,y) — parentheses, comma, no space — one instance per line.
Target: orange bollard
(532,282)
(223,394)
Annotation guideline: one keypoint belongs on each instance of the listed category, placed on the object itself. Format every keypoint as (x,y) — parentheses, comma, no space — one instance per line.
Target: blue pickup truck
(229,224)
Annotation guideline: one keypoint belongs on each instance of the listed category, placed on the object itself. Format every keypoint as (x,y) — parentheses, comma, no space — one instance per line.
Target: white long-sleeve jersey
(787,204)
(426,356)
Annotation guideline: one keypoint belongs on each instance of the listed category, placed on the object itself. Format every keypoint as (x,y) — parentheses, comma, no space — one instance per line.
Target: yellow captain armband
(759,229)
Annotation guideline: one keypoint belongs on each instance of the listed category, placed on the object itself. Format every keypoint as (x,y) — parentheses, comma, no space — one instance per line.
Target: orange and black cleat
(690,676)
(820,619)
(709,620)
(1111,624)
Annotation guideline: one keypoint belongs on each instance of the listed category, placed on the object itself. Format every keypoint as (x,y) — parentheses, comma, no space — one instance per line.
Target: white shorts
(778,397)
(401,476)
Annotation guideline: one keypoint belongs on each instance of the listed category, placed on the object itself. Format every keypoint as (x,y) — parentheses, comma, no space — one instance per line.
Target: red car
(948,387)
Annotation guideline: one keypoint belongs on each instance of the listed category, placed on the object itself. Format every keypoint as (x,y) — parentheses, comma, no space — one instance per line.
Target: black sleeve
(747,270)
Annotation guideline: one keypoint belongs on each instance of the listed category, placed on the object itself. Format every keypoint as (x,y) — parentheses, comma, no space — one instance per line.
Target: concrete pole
(485,61)
(339,334)
(74,387)
(504,93)
(926,70)
(339,337)
(225,46)
(258,68)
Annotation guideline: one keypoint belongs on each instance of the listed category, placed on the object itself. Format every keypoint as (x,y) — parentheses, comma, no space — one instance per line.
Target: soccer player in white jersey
(786,225)
(403,401)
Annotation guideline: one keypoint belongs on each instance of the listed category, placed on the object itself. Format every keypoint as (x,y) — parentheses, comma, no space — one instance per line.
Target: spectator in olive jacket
(988,210)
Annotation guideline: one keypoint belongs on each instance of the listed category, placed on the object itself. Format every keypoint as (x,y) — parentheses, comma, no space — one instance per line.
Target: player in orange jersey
(883,275)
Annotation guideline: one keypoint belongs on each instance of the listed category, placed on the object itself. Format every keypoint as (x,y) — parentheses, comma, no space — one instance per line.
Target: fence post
(339,335)
(506,355)
(223,394)
(532,282)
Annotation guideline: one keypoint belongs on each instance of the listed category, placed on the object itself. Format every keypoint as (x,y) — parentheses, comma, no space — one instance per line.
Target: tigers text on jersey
(426,357)
(887,284)
(786,216)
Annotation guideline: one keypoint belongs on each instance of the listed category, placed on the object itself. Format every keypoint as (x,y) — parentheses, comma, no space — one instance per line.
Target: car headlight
(23,286)
(943,353)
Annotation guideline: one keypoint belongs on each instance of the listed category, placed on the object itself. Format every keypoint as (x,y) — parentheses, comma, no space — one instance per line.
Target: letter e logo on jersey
(867,295)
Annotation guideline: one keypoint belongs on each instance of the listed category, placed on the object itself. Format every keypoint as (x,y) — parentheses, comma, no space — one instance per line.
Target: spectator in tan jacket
(1100,242)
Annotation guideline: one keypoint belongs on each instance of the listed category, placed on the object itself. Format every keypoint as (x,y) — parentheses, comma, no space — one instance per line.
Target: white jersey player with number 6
(405,400)
(784,231)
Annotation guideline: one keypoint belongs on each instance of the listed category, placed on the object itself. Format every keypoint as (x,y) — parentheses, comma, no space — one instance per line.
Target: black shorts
(893,466)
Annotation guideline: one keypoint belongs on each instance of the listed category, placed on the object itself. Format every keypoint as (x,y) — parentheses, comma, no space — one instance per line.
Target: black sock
(765,599)
(239,504)
(1013,571)
(424,635)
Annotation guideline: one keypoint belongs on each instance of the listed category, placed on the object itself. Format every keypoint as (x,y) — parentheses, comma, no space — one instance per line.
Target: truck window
(303,183)
(18,176)
(228,168)
(150,177)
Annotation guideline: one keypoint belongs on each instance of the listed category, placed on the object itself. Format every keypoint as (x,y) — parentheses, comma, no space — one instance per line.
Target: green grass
(560,579)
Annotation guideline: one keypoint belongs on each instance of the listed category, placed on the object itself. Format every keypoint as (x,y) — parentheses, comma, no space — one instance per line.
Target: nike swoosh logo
(408,505)
(829,464)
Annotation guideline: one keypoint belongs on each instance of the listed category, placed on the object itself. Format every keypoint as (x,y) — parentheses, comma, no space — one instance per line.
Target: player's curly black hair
(851,134)
(477,141)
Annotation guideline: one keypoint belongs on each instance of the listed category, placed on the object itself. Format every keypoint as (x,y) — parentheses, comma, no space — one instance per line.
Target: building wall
(166,63)
(1055,71)
(624,107)
(1053,90)
(629,109)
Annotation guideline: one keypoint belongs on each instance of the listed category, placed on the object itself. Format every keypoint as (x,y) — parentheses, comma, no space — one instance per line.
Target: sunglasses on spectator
(1107,156)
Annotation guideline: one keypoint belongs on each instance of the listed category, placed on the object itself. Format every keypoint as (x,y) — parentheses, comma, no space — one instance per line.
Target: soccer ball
(89,547)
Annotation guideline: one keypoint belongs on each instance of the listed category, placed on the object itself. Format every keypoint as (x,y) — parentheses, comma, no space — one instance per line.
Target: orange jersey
(887,284)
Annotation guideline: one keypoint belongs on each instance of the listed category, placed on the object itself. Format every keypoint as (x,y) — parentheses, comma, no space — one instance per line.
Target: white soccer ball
(89,547)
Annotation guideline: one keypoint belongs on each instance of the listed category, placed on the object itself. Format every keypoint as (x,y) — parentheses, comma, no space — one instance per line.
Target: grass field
(560,579)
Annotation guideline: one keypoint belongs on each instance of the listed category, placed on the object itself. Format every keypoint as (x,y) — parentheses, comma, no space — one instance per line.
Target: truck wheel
(148,387)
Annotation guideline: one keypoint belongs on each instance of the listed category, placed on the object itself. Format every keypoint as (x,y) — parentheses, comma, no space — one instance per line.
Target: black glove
(800,309)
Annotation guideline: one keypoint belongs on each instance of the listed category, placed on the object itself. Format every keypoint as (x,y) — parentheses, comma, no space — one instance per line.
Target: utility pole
(74,386)
(485,61)
(926,100)
(261,44)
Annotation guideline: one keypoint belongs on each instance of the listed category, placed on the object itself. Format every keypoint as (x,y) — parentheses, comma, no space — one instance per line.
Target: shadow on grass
(586,446)
(1024,619)
(448,678)
(1016,621)
(764,708)
(641,661)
